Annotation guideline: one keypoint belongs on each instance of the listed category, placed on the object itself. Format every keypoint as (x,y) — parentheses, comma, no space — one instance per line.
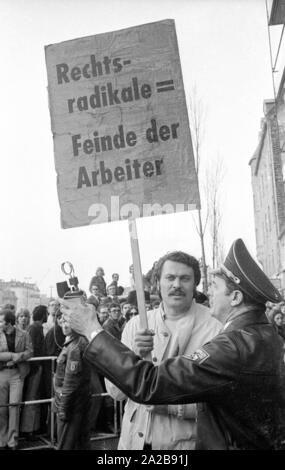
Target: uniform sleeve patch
(74,366)
(200,355)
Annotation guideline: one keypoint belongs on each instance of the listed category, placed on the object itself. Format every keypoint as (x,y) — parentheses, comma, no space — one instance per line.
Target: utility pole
(51,288)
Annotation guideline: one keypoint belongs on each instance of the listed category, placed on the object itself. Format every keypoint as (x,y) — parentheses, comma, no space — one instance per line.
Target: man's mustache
(177,292)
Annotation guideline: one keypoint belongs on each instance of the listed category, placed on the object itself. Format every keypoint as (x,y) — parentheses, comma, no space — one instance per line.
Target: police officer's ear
(237,298)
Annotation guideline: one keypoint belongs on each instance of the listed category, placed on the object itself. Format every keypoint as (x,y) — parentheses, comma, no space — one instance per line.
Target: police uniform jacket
(235,378)
(72,377)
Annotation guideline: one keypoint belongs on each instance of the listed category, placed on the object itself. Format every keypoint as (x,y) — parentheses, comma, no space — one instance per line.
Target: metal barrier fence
(51,442)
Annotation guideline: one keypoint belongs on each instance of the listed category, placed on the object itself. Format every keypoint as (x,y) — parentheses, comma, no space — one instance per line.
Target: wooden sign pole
(138,277)
(138,273)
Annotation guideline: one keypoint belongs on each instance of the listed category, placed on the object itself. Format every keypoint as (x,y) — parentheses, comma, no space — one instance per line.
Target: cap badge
(230,275)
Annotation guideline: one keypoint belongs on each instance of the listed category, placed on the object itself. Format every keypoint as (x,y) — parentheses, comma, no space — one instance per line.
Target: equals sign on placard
(167,85)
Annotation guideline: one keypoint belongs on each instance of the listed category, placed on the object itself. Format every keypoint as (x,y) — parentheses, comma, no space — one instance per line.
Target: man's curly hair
(179,257)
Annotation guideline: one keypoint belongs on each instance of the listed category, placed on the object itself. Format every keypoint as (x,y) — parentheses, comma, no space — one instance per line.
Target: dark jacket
(236,378)
(72,377)
(54,341)
(36,332)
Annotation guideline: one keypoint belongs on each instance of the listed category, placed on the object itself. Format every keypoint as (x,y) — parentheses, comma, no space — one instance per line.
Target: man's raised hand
(81,316)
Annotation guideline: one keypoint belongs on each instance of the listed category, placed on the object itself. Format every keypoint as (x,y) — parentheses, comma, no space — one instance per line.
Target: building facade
(268,162)
(269,199)
(20,294)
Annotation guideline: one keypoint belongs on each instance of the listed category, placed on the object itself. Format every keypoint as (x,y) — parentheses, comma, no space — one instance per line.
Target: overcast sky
(223,50)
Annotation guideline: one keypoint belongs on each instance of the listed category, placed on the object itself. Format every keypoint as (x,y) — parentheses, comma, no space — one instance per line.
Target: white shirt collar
(191,309)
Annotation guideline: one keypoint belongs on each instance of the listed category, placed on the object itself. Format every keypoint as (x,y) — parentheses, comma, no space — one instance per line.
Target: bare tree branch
(197,122)
(196,226)
(214,177)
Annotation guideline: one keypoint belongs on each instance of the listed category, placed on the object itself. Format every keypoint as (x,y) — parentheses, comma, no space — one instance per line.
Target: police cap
(241,269)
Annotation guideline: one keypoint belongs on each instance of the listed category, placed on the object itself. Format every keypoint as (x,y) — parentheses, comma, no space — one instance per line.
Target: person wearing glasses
(112,324)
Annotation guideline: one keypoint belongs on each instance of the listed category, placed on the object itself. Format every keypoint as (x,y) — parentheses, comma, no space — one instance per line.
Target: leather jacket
(236,378)
(72,377)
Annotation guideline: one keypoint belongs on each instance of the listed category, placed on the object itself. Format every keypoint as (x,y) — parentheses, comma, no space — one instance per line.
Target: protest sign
(122,142)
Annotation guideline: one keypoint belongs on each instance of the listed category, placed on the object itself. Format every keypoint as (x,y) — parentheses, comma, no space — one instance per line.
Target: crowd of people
(228,392)
(179,323)
(42,333)
(276,315)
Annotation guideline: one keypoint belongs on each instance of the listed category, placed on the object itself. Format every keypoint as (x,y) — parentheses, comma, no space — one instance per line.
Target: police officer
(236,377)
(72,401)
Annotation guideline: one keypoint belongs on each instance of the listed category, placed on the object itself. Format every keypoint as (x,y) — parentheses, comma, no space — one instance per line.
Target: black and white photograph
(142,248)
